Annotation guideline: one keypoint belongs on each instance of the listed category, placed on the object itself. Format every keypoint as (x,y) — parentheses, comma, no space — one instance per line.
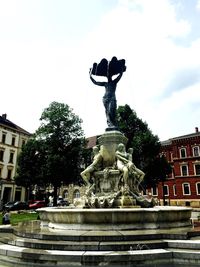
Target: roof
(7,123)
(169,141)
(92,141)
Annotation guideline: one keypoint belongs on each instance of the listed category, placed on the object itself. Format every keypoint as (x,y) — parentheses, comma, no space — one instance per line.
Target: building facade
(72,193)
(12,138)
(182,187)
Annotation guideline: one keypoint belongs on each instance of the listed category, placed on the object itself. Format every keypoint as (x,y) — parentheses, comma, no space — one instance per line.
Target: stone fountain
(112,199)
(113,224)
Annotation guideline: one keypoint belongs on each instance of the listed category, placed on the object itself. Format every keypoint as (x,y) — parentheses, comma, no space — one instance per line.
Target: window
(23,142)
(183,152)
(144,191)
(197,169)
(9,174)
(13,141)
(18,194)
(3,138)
(76,194)
(0,172)
(198,188)
(173,174)
(184,170)
(186,189)
(166,190)
(1,154)
(195,151)
(154,191)
(187,203)
(65,194)
(11,157)
(174,189)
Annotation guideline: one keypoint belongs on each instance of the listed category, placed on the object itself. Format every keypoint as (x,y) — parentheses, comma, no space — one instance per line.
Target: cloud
(182,79)
(40,64)
(179,112)
(198,5)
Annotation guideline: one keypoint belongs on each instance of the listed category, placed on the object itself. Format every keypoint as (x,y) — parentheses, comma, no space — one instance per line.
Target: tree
(29,165)
(158,171)
(60,143)
(146,146)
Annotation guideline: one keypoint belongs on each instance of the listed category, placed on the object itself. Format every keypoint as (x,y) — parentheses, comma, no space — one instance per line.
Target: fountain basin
(158,217)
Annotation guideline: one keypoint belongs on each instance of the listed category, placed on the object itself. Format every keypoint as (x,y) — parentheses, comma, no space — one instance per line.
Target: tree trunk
(55,195)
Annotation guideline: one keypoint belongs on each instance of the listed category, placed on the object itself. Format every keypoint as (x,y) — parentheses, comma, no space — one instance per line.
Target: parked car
(8,205)
(37,204)
(62,202)
(17,205)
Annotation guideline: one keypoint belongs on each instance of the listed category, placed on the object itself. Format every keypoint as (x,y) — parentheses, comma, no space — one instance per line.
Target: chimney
(4,116)
(196,129)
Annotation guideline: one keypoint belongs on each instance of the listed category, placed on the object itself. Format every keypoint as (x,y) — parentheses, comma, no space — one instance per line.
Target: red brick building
(183,186)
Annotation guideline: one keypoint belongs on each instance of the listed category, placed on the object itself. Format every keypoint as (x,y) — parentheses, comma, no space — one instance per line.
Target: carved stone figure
(108,69)
(136,175)
(113,185)
(95,166)
(123,162)
(132,176)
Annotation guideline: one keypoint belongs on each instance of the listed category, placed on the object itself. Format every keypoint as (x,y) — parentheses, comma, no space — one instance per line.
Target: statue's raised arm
(116,80)
(108,69)
(96,82)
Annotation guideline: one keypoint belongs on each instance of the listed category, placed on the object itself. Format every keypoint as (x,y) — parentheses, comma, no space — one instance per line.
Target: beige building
(12,137)
(72,192)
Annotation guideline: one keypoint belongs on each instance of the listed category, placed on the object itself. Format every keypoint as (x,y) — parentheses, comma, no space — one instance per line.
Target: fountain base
(119,219)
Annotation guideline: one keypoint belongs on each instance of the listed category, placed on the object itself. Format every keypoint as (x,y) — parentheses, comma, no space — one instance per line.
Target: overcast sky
(48,46)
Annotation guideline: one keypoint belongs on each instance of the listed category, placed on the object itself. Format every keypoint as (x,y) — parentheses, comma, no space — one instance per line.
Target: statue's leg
(140,176)
(86,177)
(106,105)
(125,175)
(112,112)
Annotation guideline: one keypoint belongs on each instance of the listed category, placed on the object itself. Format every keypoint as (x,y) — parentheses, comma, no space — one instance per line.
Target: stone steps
(62,248)
(82,248)
(89,235)
(35,257)
(11,239)
(184,244)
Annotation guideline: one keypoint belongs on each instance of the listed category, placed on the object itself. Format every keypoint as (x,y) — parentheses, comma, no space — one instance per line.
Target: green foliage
(59,125)
(54,154)
(63,137)
(28,163)
(146,146)
(158,170)
(21,217)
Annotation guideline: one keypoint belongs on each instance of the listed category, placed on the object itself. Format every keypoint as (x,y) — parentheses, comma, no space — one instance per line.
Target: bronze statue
(109,69)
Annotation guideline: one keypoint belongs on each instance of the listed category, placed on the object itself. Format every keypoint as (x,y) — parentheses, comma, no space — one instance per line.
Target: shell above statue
(105,67)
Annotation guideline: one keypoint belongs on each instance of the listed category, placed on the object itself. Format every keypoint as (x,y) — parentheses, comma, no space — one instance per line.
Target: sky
(48,46)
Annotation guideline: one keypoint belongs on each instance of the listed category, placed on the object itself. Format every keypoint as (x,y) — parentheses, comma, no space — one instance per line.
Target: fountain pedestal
(158,217)
(109,189)
(109,142)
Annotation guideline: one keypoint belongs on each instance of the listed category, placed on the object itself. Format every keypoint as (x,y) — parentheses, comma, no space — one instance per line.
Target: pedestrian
(6,217)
